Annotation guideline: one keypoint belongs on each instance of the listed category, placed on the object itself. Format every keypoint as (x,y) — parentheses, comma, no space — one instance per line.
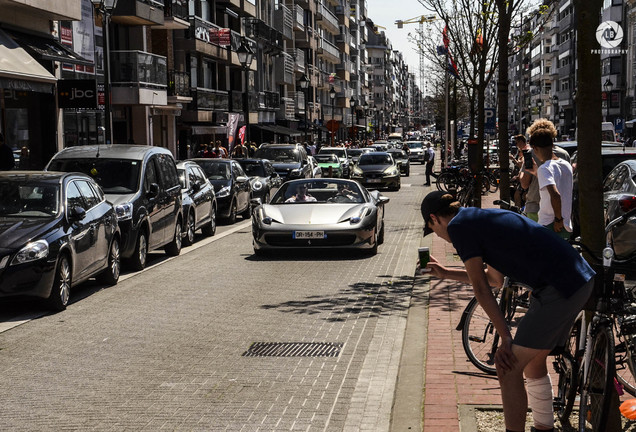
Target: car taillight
(627,203)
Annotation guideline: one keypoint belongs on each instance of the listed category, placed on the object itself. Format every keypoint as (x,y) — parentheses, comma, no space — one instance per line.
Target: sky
(386,12)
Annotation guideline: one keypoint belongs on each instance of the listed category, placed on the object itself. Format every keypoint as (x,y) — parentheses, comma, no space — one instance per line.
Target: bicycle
(479,337)
(590,365)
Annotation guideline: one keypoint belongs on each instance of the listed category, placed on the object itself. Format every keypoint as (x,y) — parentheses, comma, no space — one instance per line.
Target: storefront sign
(220,37)
(77,93)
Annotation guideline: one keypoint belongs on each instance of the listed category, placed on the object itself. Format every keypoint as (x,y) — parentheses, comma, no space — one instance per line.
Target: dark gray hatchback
(142,184)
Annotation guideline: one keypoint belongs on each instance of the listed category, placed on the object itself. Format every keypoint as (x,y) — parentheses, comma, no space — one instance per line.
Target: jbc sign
(77,93)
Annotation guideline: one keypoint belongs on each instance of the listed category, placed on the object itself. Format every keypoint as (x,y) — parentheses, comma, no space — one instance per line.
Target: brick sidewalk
(450,379)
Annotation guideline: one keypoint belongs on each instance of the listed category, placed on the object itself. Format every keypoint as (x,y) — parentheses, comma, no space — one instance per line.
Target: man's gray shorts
(549,319)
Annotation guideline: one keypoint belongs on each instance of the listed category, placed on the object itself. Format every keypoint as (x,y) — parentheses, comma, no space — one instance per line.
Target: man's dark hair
(542,133)
(520,137)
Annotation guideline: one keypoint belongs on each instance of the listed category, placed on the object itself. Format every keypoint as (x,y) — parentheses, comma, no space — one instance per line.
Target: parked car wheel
(381,235)
(247,213)
(174,247)
(233,210)
(210,228)
(138,260)
(189,228)
(374,249)
(61,289)
(110,275)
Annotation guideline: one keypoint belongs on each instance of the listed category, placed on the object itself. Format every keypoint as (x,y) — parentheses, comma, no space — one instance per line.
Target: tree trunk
(589,118)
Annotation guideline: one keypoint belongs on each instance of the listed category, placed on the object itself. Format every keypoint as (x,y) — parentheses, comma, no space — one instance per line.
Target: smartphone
(425,257)
(527,159)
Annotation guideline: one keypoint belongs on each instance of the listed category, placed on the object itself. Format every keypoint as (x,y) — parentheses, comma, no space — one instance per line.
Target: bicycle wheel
(479,338)
(493,182)
(446,181)
(598,382)
(567,386)
(625,352)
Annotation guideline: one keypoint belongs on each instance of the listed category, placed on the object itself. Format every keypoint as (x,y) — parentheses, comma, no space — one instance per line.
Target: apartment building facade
(176,80)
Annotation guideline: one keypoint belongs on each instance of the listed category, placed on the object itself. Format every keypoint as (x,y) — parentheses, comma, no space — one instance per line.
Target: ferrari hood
(314,214)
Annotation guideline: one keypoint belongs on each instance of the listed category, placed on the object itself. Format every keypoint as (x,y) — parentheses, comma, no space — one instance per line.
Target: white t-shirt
(559,173)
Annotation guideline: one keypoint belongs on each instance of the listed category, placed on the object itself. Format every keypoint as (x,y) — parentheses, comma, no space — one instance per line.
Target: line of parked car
(96,208)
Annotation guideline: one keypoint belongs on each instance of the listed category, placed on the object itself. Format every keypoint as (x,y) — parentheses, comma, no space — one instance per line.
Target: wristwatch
(556,219)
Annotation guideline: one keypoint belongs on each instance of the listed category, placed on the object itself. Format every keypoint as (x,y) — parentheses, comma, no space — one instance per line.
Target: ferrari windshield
(253,169)
(319,191)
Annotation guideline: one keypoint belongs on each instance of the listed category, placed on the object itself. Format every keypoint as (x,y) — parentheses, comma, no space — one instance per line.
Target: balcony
(138,78)
(139,13)
(329,51)
(175,15)
(298,18)
(178,87)
(284,69)
(269,36)
(199,39)
(287,110)
(328,19)
(268,101)
(204,99)
(242,7)
(299,56)
(284,21)
(54,10)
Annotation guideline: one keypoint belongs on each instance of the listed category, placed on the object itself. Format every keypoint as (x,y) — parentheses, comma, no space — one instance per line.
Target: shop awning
(20,71)
(209,130)
(48,49)
(281,130)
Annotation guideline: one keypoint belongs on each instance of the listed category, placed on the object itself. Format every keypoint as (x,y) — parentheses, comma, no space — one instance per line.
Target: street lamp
(539,105)
(365,107)
(607,86)
(332,95)
(106,7)
(245,57)
(304,84)
(555,102)
(353,102)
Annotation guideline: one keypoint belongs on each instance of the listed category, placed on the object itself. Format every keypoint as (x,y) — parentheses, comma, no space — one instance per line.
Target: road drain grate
(293,349)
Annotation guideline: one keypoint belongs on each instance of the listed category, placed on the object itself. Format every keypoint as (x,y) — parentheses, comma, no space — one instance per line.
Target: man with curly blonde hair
(555,180)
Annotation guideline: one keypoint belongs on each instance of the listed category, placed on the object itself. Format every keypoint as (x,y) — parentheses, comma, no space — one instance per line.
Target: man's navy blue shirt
(519,248)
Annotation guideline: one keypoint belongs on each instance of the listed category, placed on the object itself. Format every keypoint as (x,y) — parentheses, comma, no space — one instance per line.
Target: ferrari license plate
(309,234)
(374,180)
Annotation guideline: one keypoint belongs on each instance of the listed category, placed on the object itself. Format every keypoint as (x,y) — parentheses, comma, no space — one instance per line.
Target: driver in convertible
(301,195)
(344,193)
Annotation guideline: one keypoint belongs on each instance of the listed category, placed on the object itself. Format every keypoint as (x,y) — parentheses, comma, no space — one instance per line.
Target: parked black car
(402,159)
(377,169)
(289,160)
(198,200)
(231,186)
(143,185)
(264,180)
(56,231)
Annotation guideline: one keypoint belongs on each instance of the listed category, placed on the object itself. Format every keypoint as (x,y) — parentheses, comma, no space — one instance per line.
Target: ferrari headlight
(257,185)
(223,192)
(358,217)
(296,172)
(390,171)
(31,252)
(124,211)
(357,172)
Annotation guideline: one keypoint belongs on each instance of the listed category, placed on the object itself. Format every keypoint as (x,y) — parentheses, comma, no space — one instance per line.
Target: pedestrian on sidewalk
(561,282)
(429,157)
(554,180)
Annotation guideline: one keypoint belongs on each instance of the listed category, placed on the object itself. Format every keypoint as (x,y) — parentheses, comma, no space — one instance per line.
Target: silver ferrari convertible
(320,214)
